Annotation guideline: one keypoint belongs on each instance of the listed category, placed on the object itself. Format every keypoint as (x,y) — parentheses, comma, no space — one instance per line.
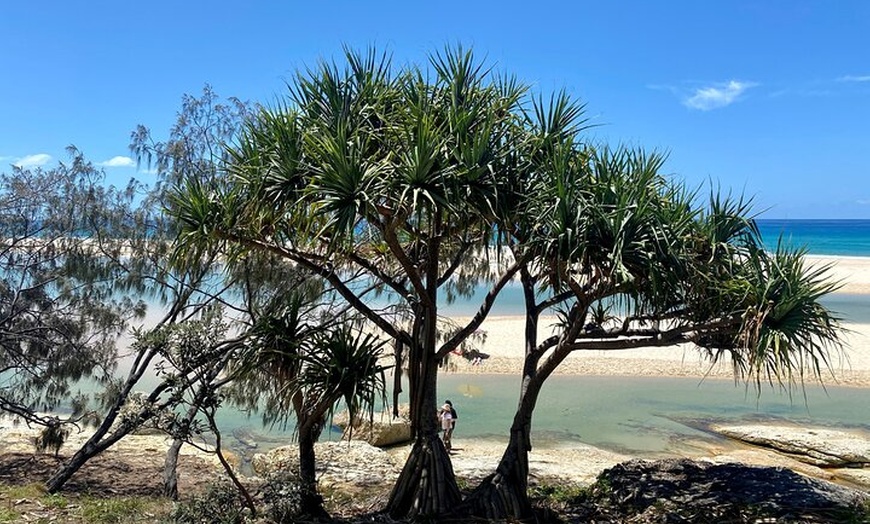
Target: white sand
(505,336)
(852,272)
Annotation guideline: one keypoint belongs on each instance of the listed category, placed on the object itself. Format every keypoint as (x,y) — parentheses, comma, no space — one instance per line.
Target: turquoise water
(636,415)
(821,237)
(639,415)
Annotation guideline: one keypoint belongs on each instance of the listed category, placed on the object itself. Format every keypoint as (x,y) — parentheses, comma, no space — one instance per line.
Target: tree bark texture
(170,469)
(311,501)
(79,458)
(504,493)
(427,484)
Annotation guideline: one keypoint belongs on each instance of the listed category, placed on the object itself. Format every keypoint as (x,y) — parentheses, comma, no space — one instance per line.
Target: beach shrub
(52,438)
(220,504)
(558,492)
(117,510)
(282,497)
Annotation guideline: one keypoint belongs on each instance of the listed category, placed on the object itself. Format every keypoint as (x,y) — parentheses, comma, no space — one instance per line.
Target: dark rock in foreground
(682,490)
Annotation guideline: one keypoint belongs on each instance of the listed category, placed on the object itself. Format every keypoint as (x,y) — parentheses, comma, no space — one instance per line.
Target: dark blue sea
(820,237)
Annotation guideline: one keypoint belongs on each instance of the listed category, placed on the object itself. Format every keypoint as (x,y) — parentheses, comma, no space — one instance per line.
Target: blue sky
(769,98)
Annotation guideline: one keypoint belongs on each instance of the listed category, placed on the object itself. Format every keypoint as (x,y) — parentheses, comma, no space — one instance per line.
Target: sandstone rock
(337,462)
(382,430)
(816,446)
(858,477)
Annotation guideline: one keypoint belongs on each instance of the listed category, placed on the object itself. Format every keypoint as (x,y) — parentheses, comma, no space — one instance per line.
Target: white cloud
(37,160)
(716,96)
(853,78)
(863,202)
(118,161)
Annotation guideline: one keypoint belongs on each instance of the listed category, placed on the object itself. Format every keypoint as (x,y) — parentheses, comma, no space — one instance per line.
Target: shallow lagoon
(635,415)
(638,415)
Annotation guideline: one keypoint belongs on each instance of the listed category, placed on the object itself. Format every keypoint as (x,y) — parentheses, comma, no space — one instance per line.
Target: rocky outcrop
(352,462)
(381,430)
(817,446)
(682,490)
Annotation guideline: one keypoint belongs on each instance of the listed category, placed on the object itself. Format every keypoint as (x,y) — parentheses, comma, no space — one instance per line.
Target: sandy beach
(504,344)
(576,461)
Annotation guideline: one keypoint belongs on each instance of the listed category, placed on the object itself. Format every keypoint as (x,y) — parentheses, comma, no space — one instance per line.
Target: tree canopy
(404,186)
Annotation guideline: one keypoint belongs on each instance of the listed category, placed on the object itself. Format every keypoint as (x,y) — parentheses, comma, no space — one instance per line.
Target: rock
(245,437)
(682,490)
(336,462)
(858,477)
(817,446)
(382,430)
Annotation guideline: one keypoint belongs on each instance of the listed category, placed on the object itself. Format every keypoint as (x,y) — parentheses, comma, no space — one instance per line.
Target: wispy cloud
(854,78)
(36,160)
(118,161)
(717,95)
(863,202)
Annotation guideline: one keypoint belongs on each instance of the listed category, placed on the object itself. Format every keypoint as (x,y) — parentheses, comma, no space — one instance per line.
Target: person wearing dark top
(453,414)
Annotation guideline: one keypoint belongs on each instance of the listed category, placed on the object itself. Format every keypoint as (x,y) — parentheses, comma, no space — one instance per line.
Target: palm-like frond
(787,334)
(344,363)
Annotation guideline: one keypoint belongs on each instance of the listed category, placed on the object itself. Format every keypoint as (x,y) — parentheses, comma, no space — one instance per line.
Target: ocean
(820,237)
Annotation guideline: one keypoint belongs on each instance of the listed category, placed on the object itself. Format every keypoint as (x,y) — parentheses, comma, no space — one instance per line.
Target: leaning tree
(129,233)
(628,259)
(384,183)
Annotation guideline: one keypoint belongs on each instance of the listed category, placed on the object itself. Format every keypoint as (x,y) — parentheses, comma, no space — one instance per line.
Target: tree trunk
(69,468)
(427,485)
(311,503)
(170,470)
(95,445)
(503,495)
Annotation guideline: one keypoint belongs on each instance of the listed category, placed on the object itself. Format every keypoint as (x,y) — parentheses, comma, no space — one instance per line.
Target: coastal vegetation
(288,245)
(422,182)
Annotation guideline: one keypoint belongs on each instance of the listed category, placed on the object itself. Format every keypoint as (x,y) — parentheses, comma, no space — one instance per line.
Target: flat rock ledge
(826,448)
(352,462)
(683,490)
(381,430)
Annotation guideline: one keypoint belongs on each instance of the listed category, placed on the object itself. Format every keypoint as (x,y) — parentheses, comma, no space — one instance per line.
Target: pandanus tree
(627,260)
(394,184)
(304,356)
(384,183)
